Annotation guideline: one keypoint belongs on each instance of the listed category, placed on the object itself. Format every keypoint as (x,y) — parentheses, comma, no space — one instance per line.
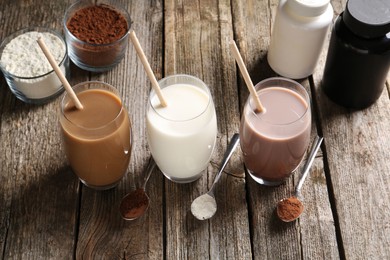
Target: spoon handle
(149,171)
(232,146)
(309,162)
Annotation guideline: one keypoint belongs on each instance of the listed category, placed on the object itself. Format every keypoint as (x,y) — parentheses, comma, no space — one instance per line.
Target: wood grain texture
(45,213)
(359,170)
(196,43)
(357,150)
(38,191)
(102,232)
(271,238)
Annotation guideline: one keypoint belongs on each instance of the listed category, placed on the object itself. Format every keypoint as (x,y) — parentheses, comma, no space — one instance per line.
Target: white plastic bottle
(298,36)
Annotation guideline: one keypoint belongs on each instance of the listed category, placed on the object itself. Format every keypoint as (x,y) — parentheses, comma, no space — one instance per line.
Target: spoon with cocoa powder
(136,203)
(289,209)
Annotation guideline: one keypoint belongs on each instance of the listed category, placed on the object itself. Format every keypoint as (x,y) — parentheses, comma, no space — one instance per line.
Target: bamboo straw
(233,47)
(59,73)
(148,69)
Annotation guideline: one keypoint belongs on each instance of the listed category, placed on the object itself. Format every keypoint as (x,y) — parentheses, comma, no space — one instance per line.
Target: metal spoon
(289,209)
(136,203)
(205,206)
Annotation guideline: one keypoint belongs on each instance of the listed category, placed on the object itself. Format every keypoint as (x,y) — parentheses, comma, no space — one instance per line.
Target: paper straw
(58,71)
(245,74)
(148,69)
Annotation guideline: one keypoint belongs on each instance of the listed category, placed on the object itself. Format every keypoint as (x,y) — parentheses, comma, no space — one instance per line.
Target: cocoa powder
(289,209)
(98,24)
(100,30)
(134,205)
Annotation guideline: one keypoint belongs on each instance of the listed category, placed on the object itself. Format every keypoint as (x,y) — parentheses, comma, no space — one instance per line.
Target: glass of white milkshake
(182,135)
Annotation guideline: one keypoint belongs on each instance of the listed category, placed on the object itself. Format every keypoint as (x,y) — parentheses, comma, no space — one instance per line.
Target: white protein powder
(22,57)
(204,207)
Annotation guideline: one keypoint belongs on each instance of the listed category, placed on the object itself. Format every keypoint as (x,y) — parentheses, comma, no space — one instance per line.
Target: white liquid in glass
(182,135)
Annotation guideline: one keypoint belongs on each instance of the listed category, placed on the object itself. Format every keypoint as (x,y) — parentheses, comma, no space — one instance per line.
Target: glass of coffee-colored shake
(97,139)
(274,142)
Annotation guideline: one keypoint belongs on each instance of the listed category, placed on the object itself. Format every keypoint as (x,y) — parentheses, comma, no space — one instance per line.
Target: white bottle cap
(308,7)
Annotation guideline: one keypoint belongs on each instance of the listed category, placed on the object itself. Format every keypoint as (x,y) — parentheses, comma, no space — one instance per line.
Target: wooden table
(45,213)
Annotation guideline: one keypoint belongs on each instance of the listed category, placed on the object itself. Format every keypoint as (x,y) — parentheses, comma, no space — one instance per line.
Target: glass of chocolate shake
(274,141)
(97,139)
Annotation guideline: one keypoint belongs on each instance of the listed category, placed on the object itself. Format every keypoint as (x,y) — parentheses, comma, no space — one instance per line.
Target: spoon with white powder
(205,206)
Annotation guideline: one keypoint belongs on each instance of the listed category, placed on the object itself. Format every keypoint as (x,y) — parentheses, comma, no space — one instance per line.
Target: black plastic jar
(358,58)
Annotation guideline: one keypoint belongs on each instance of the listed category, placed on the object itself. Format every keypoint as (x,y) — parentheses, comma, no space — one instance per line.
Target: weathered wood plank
(103,234)
(359,170)
(271,238)
(38,195)
(357,149)
(197,34)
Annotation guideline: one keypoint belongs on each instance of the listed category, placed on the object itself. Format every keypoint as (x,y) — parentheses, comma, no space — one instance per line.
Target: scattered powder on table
(98,24)
(289,209)
(204,207)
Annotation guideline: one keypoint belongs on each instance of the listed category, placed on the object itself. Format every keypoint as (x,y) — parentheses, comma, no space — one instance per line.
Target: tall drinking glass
(97,139)
(182,135)
(274,142)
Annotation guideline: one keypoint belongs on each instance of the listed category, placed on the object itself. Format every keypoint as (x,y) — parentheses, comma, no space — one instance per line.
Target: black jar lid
(368,18)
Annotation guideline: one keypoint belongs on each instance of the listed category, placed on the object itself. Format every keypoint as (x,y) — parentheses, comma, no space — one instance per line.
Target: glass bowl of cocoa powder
(96,34)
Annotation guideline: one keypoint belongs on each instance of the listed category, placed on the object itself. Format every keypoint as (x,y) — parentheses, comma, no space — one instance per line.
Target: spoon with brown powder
(136,203)
(289,209)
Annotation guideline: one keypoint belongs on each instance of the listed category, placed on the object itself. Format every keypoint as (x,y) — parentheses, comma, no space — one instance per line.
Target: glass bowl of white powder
(28,73)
